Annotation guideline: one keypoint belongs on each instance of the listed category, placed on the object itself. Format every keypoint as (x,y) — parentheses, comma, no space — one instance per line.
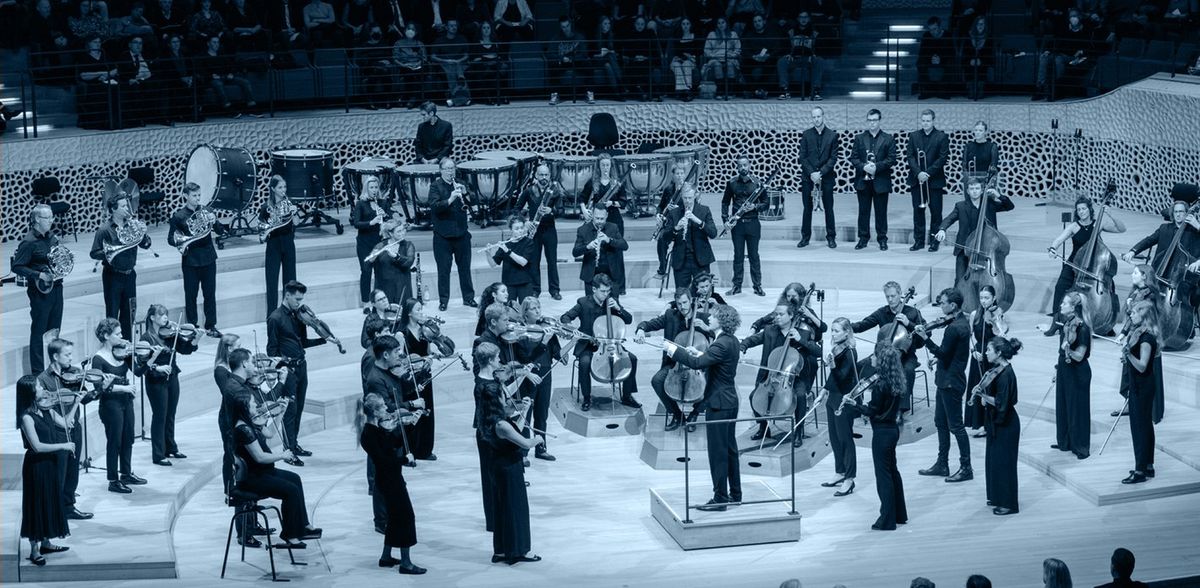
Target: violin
(1095,266)
(683,383)
(612,363)
(1131,340)
(122,350)
(308,317)
(856,393)
(986,250)
(270,410)
(431,331)
(985,381)
(142,350)
(173,330)
(895,333)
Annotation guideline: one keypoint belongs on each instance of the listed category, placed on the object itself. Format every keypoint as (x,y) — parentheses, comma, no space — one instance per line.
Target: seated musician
(690,227)
(598,304)
(704,286)
(676,319)
(516,258)
(601,245)
(897,312)
(671,199)
(787,329)
(966,214)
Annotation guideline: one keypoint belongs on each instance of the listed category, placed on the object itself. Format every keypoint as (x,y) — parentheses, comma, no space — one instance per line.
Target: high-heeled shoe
(523,558)
(848,491)
(833,484)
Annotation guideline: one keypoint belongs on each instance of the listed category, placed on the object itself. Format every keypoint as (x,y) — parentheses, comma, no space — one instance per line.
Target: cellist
(587,309)
(966,213)
(1080,233)
(677,317)
(784,330)
(1185,292)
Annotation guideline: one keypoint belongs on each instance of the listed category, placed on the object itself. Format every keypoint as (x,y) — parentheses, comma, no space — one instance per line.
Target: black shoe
(441,307)
(963,474)
(497,558)
(758,435)
(177,455)
(163,462)
(691,419)
(881,527)
(37,560)
(290,545)
(301,452)
(214,333)
(412,571)
(673,424)
(543,454)
(78,515)
(758,290)
(471,302)
(118,487)
(1135,478)
(628,400)
(294,462)
(831,242)
(833,484)
(933,246)
(1002,511)
(860,245)
(430,457)
(797,440)
(939,469)
(312,534)
(1081,456)
(1149,472)
(388,562)
(260,530)
(713,506)
(916,246)
(587,405)
(250,542)
(525,462)
(733,291)
(132,480)
(556,295)
(883,245)
(51,548)
(846,492)
(523,558)
(803,243)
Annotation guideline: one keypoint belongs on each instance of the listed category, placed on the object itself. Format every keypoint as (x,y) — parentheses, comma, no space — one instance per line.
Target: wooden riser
(605,419)
(740,525)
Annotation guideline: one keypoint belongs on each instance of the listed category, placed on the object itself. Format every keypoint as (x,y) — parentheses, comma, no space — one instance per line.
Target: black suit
(720,362)
(199,265)
(545,239)
(935,148)
(952,356)
(747,232)
(873,191)
(610,260)
(45,310)
(818,153)
(434,141)
(587,310)
(983,157)
(691,253)
(451,240)
(966,214)
(1161,238)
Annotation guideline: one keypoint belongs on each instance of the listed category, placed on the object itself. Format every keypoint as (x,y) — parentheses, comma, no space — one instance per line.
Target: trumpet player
(873,156)
(191,232)
(369,216)
(116,246)
(601,246)
(394,261)
(32,261)
(928,150)
(818,155)
(451,235)
(280,236)
(540,200)
(515,257)
(690,226)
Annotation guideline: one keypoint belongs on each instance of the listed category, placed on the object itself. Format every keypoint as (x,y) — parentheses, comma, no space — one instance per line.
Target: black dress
(386,451)
(1142,387)
(981,333)
(420,435)
(116,412)
(510,503)
(42,511)
(884,412)
(1003,440)
(1073,395)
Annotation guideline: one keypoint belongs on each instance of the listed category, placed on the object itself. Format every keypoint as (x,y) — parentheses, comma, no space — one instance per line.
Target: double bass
(684,384)
(1176,315)
(611,363)
(986,250)
(1095,267)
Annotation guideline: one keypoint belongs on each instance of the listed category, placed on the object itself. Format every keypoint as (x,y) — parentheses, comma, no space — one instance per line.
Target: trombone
(923,187)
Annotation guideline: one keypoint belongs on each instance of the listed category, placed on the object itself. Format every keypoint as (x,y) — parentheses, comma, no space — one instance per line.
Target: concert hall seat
(335,73)
(144,176)
(44,191)
(1020,63)
(603,133)
(295,83)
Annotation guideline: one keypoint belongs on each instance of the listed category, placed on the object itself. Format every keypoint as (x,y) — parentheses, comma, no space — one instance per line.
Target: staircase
(55,105)
(862,71)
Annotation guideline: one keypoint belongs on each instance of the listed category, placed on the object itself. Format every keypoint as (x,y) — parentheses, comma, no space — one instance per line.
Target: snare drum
(414,181)
(646,174)
(384,170)
(225,176)
(693,158)
(774,209)
(490,183)
(526,162)
(572,173)
(308,172)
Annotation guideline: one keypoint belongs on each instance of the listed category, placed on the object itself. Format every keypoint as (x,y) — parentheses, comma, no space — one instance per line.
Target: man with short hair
(952,356)
(435,137)
(600,244)
(451,235)
(62,357)
(928,150)
(198,257)
(540,201)
(740,208)
(566,59)
(1121,568)
(873,156)
(119,276)
(32,261)
(818,155)
(596,304)
(690,227)
(898,312)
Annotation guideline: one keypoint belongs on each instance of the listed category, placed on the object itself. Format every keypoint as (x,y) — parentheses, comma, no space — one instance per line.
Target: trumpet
(923,187)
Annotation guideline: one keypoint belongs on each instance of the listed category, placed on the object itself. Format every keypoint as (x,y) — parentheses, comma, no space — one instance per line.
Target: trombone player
(191,231)
(928,150)
(33,261)
(116,246)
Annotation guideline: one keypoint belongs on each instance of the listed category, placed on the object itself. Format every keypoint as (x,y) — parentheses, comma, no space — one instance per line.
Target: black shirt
(587,310)
(737,192)
(125,261)
(33,255)
(449,218)
(434,140)
(287,335)
(952,354)
(199,253)
(671,323)
(534,196)
(511,273)
(884,316)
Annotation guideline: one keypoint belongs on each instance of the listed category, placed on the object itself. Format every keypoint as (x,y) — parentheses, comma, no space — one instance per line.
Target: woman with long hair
(604,180)
(1003,427)
(684,51)
(396,257)
(985,322)
(1073,377)
(496,292)
(607,58)
(279,212)
(380,436)
(843,375)
(1142,366)
(884,412)
(543,351)
(1055,573)
(978,56)
(368,222)
(1079,232)
(43,514)
(161,375)
(116,405)
(1143,287)
(420,383)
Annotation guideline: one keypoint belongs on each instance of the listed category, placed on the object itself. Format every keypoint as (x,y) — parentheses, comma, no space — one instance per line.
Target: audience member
(489,66)
(390,16)
(566,59)
(1121,568)
(722,51)
(285,20)
(824,12)
(49,39)
(356,19)
(935,60)
(373,57)
(168,19)
(639,48)
(1055,574)
(921,582)
(470,15)
(135,24)
(215,71)
(704,14)
(978,581)
(963,14)
(409,57)
(204,24)
(141,95)
(246,31)
(1071,47)
(431,16)
(92,21)
(321,25)
(782,15)
(513,20)
(978,56)
(740,13)
(175,71)
(607,59)
(760,56)
(800,65)
(664,17)
(585,14)
(97,80)
(684,50)
(449,51)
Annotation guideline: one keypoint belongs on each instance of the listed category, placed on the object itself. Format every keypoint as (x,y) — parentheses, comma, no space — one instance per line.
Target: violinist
(501,444)
(884,412)
(1073,377)
(843,375)
(966,214)
(385,379)
(690,226)
(541,200)
(985,322)
(745,226)
(451,235)
(64,382)
(161,373)
(381,438)
(394,261)
(998,393)
(928,150)
(601,245)
(672,198)
(786,330)
(382,316)
(287,337)
(198,261)
(600,185)
(1080,233)
(980,154)
(497,322)
(113,359)
(1144,287)
(720,403)
(543,351)
(368,216)
(420,383)
(897,312)
(1141,361)
(495,293)
(677,318)
(598,303)
(278,212)
(119,274)
(518,271)
(43,514)
(952,355)
(32,261)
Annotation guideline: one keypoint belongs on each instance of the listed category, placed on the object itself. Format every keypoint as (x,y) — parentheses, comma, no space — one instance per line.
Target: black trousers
(195,279)
(806,194)
(1066,279)
(868,197)
(910,374)
(1073,407)
(119,289)
(960,265)
(518,292)
(746,235)
(363,245)
(628,386)
(1141,428)
(723,462)
(487,482)
(45,314)
(281,255)
(510,505)
(117,416)
(287,487)
(662,247)
(684,274)
(947,417)
(71,478)
(888,484)
(298,390)
(841,439)
(421,435)
(541,401)
(935,214)
(1000,462)
(659,383)
(227,452)
(545,241)
(164,400)
(458,252)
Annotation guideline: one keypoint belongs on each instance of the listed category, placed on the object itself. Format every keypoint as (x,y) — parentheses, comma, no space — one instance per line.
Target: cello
(611,364)
(986,250)
(894,333)
(774,396)
(686,385)
(1176,315)
(1095,266)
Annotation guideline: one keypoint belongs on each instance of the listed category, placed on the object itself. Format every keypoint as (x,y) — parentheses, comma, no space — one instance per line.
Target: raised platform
(606,418)
(747,524)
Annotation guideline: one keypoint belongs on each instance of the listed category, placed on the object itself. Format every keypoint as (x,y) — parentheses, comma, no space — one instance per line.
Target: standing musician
(952,356)
(843,375)
(119,275)
(1143,287)
(494,293)
(897,312)
(884,412)
(786,329)
(1161,239)
(517,260)
(43,516)
(381,438)
(873,156)
(57,380)
(381,318)
(966,214)
(161,372)
(673,321)
(720,362)
(435,137)
(394,261)
(496,321)
(601,244)
(599,186)
(928,150)
(1079,232)
(198,257)
(744,225)
(540,200)
(980,154)
(985,322)
(690,227)
(368,216)
(818,155)
(598,303)
(1073,377)
(543,351)
(379,379)
(277,217)
(32,261)
(287,337)
(1003,426)
(419,384)
(672,198)
(116,405)
(451,236)
(1141,365)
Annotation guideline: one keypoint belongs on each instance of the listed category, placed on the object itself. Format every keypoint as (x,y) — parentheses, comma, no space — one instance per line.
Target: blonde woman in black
(1073,377)
(116,405)
(843,375)
(381,437)
(1142,365)
(162,381)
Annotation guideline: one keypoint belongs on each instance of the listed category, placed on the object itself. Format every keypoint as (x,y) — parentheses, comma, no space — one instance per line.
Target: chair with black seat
(603,134)
(44,191)
(246,515)
(144,177)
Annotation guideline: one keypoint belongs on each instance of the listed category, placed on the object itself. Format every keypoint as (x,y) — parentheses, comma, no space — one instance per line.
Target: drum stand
(311,215)
(240,226)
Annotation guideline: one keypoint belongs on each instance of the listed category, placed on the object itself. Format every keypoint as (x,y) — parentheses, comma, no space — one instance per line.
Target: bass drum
(308,173)
(225,175)
(572,172)
(414,181)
